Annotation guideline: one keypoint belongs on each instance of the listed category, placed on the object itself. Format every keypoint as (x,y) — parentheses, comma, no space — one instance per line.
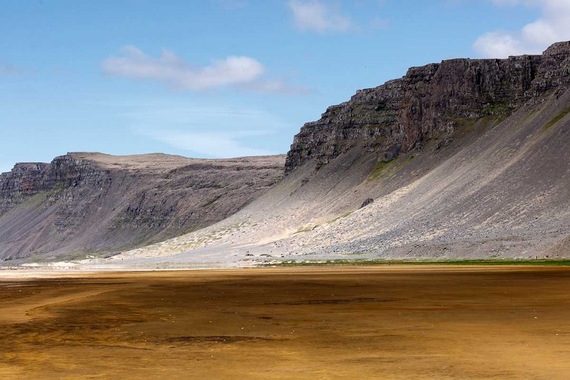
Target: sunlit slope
(92,204)
(499,189)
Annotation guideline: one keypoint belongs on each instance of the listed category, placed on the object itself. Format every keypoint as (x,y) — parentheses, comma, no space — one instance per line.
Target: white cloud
(553,25)
(207,130)
(499,45)
(211,144)
(319,16)
(174,72)
(276,86)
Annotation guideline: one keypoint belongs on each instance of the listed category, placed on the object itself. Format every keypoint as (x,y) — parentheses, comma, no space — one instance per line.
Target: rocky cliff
(430,102)
(93,203)
(462,159)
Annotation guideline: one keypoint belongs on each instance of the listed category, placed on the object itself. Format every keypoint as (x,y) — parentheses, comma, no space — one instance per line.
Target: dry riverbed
(400,322)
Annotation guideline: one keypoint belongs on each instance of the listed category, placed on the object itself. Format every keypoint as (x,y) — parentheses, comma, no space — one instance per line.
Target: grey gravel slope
(499,190)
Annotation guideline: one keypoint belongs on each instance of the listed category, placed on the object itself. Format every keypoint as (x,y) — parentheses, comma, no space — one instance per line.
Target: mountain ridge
(495,186)
(430,101)
(462,159)
(92,203)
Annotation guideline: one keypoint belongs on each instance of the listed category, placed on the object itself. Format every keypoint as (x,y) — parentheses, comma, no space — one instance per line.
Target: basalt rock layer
(90,203)
(430,102)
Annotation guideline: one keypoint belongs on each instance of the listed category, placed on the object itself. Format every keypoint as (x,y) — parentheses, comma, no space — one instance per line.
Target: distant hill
(92,203)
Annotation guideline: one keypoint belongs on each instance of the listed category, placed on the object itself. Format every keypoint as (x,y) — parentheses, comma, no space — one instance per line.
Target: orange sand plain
(307,323)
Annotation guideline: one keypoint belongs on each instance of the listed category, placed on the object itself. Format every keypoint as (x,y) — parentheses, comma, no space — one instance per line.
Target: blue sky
(225,78)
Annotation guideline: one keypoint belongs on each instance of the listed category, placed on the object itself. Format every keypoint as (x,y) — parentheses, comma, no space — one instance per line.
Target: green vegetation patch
(39,198)
(70,256)
(556,119)
(499,108)
(380,170)
(373,262)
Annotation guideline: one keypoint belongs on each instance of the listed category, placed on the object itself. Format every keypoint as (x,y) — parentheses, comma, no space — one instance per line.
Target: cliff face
(25,180)
(430,102)
(462,159)
(87,203)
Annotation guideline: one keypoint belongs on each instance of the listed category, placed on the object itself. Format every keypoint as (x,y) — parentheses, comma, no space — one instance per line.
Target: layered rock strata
(430,102)
(89,202)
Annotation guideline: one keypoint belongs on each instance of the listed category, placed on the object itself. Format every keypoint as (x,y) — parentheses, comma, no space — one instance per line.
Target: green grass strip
(340,262)
(556,119)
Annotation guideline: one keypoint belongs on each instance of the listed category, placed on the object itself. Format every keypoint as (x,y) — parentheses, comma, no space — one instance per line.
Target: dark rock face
(65,178)
(88,203)
(25,180)
(367,201)
(429,101)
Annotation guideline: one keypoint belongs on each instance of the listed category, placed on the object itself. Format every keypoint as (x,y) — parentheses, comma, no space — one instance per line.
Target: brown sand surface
(317,323)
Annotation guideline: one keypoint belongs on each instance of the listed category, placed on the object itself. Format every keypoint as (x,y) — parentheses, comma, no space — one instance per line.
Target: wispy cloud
(206,130)
(553,25)
(211,144)
(174,72)
(319,16)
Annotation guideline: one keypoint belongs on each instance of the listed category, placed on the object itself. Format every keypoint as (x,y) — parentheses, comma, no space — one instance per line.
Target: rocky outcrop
(88,202)
(430,102)
(25,180)
(64,178)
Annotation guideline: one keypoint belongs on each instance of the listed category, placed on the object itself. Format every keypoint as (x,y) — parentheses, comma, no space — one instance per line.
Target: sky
(225,78)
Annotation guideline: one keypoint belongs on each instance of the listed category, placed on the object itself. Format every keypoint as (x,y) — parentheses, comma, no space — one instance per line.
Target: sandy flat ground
(319,323)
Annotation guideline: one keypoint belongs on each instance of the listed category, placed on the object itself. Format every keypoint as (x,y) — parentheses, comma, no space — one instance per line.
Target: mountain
(97,204)
(431,102)
(461,159)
